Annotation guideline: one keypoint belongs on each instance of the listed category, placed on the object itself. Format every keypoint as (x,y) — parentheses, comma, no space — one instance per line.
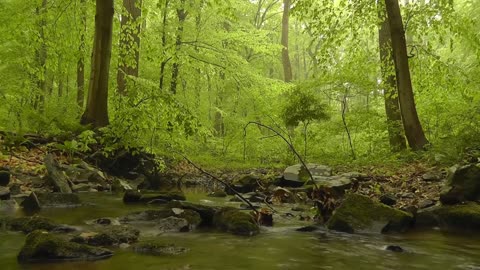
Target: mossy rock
(110,236)
(41,246)
(359,213)
(464,217)
(191,216)
(156,248)
(30,224)
(206,212)
(463,184)
(246,183)
(235,221)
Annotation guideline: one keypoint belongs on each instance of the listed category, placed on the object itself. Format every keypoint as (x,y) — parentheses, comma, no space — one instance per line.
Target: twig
(290,145)
(218,180)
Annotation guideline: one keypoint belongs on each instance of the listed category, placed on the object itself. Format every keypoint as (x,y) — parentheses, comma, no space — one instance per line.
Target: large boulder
(235,221)
(463,184)
(359,213)
(41,246)
(109,236)
(464,217)
(36,201)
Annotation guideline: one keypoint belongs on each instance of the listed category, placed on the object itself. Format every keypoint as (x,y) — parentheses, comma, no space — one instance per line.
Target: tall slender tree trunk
(164,43)
(96,112)
(287,66)
(129,55)
(389,84)
(413,129)
(81,56)
(41,57)
(182,15)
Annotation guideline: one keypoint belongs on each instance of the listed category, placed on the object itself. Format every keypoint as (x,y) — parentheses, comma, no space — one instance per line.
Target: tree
(129,43)
(182,15)
(96,112)
(81,56)
(303,106)
(413,128)
(41,56)
(287,66)
(392,106)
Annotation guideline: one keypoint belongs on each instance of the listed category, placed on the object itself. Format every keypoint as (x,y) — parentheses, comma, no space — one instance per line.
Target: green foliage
(229,62)
(303,106)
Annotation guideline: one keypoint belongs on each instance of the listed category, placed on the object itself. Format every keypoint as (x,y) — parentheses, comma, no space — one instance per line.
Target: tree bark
(41,57)
(413,128)
(182,15)
(164,43)
(389,84)
(81,57)
(287,66)
(96,112)
(129,55)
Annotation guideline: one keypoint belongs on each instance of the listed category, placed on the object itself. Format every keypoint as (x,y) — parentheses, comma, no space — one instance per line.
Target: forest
(240,134)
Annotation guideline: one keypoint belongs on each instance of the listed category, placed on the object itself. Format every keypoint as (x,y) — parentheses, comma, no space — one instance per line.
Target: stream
(279,247)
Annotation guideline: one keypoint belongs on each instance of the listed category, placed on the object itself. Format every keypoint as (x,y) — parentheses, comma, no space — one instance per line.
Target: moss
(464,217)
(110,236)
(235,221)
(191,216)
(206,212)
(30,224)
(360,213)
(41,246)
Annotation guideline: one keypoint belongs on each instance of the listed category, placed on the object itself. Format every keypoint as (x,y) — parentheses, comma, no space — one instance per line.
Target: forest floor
(415,185)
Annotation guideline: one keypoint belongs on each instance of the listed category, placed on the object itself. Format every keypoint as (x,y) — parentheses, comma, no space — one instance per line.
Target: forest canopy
(345,80)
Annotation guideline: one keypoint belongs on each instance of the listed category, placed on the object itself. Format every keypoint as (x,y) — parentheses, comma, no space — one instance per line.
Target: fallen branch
(290,145)
(219,180)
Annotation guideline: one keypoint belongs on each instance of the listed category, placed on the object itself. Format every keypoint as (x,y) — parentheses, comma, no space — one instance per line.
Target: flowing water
(280,247)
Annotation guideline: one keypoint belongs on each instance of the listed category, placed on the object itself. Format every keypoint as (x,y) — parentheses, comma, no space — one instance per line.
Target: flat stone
(296,175)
